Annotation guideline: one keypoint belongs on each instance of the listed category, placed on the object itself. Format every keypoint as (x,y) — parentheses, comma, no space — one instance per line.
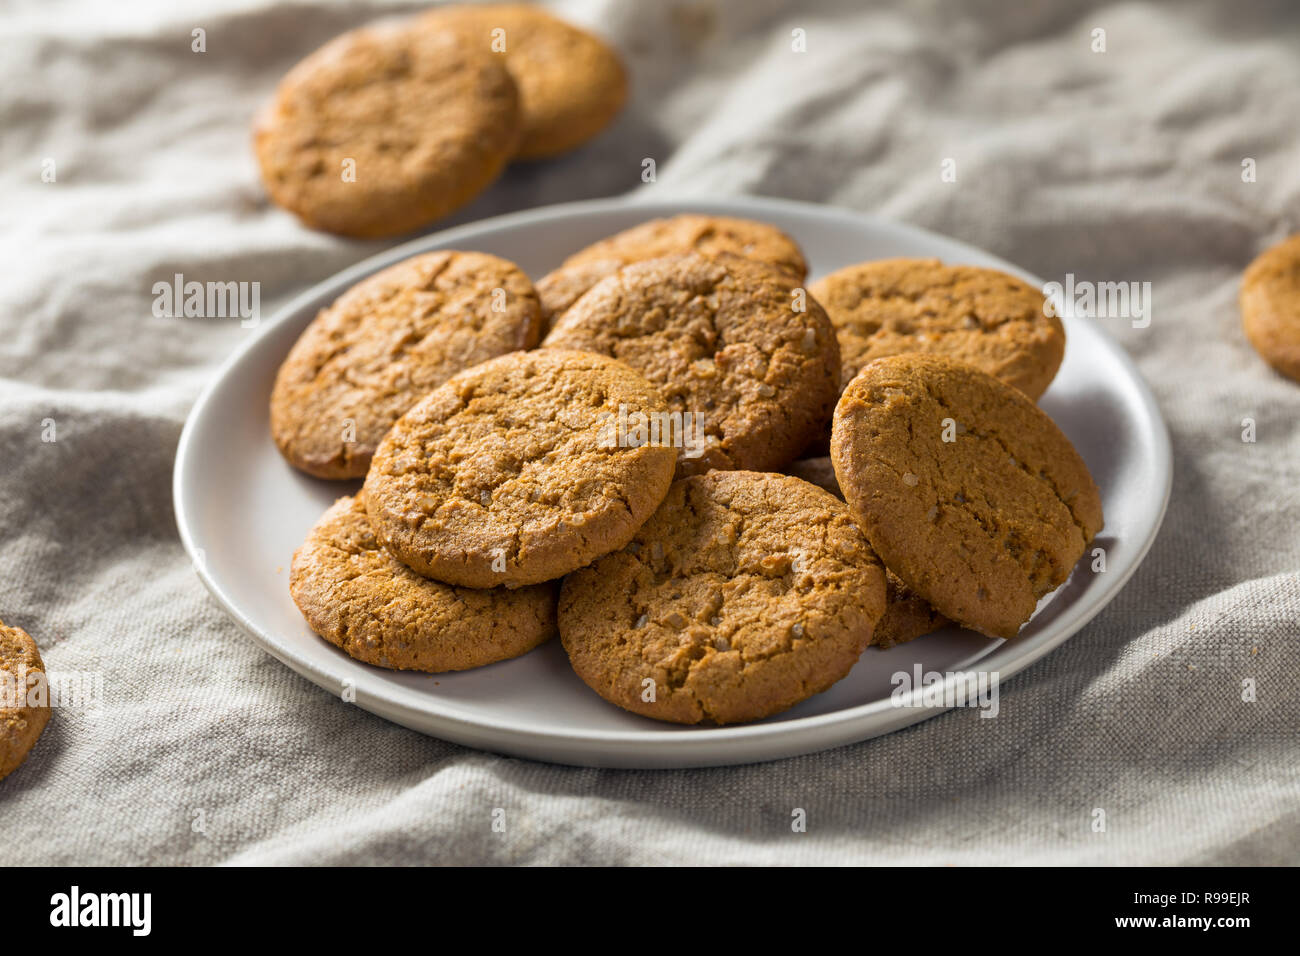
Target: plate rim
(656,747)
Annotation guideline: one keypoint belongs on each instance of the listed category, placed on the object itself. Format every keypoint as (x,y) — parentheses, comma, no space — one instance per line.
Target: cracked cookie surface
(361,599)
(982,526)
(743,595)
(907,615)
(986,318)
(384,344)
(21,720)
(510,472)
(571,83)
(722,339)
(1270,306)
(424,120)
(676,235)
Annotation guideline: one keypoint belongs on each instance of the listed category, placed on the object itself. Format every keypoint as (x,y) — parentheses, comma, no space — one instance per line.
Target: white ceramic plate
(242,511)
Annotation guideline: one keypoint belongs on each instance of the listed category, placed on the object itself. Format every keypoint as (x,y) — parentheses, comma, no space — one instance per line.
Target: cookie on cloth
(689,232)
(728,341)
(22,720)
(983,317)
(360,598)
(386,129)
(907,615)
(743,595)
(384,344)
(514,472)
(964,487)
(1270,306)
(571,83)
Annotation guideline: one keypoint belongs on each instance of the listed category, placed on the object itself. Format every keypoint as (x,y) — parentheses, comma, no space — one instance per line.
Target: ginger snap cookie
(387,342)
(964,487)
(707,235)
(745,359)
(983,317)
(744,594)
(360,598)
(21,719)
(1270,306)
(571,83)
(515,471)
(386,129)
(907,615)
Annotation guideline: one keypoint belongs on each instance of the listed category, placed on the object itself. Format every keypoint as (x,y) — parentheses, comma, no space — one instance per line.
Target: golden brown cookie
(513,472)
(1270,306)
(360,598)
(22,716)
(725,340)
(707,235)
(907,615)
(982,525)
(387,342)
(986,318)
(386,129)
(571,83)
(744,594)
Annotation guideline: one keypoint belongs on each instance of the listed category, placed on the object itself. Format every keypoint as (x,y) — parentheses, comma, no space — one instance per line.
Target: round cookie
(982,526)
(571,83)
(360,598)
(983,317)
(386,129)
(744,594)
(723,339)
(689,232)
(1270,306)
(513,472)
(21,722)
(384,344)
(907,615)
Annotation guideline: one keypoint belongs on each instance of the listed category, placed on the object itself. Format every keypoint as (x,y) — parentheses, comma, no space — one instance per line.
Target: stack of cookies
(718,486)
(393,126)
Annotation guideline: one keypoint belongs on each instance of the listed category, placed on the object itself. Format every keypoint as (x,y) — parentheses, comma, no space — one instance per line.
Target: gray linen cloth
(1125,164)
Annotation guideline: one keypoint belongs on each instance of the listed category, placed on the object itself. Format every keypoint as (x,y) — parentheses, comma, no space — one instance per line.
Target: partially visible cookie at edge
(983,317)
(384,344)
(743,595)
(571,83)
(361,599)
(386,129)
(21,722)
(513,472)
(728,342)
(1270,306)
(964,487)
(675,235)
